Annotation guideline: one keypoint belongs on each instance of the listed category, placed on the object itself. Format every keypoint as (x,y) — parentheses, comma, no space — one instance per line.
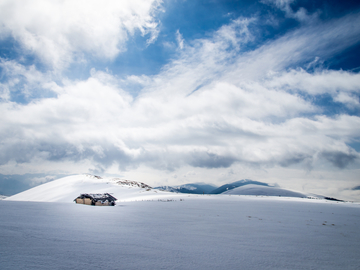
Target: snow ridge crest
(123,182)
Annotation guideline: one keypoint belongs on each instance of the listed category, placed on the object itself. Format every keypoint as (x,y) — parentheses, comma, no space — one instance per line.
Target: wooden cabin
(104,199)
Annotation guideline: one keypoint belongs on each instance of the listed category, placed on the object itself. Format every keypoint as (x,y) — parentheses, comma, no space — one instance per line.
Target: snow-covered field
(160,230)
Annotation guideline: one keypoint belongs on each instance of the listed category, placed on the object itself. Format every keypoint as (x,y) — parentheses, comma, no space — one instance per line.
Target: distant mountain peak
(192,188)
(236,184)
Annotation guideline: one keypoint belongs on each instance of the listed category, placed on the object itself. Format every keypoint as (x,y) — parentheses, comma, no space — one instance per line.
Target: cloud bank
(218,105)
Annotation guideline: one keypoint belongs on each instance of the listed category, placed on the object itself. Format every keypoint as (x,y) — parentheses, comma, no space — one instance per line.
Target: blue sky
(174,92)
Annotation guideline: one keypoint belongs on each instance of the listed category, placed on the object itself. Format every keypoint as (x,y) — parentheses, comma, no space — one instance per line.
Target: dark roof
(97,196)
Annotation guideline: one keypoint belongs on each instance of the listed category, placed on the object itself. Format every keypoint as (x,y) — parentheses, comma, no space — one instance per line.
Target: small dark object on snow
(332,199)
(104,199)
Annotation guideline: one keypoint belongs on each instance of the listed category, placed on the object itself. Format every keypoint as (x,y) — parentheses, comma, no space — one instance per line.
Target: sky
(177,91)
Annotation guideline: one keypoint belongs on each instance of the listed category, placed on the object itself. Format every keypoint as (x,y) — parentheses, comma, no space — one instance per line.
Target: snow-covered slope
(68,188)
(264,191)
(2,197)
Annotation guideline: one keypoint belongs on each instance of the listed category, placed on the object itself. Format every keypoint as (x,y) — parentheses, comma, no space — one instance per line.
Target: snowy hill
(193,188)
(252,189)
(236,184)
(2,197)
(68,188)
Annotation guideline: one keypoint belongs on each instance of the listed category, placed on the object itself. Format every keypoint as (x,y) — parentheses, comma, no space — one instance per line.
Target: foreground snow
(196,232)
(151,229)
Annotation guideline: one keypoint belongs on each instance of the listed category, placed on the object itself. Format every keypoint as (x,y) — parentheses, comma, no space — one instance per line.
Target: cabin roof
(98,196)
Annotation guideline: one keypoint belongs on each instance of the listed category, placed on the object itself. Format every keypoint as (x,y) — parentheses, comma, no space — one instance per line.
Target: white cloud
(26,80)
(323,81)
(285,5)
(342,86)
(352,101)
(60,32)
(180,40)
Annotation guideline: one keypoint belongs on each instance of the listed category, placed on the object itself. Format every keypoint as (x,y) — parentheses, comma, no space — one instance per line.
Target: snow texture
(197,232)
(150,229)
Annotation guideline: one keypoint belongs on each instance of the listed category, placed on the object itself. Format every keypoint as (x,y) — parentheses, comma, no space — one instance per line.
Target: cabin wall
(87,201)
(78,200)
(98,203)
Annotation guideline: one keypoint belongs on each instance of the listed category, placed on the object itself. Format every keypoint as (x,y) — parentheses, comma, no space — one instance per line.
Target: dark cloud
(295,159)
(20,152)
(210,160)
(24,152)
(339,159)
(112,154)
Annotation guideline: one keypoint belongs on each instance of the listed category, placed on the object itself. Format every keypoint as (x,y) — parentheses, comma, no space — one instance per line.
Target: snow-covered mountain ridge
(68,188)
(258,190)
(119,181)
(123,182)
(236,184)
(192,188)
